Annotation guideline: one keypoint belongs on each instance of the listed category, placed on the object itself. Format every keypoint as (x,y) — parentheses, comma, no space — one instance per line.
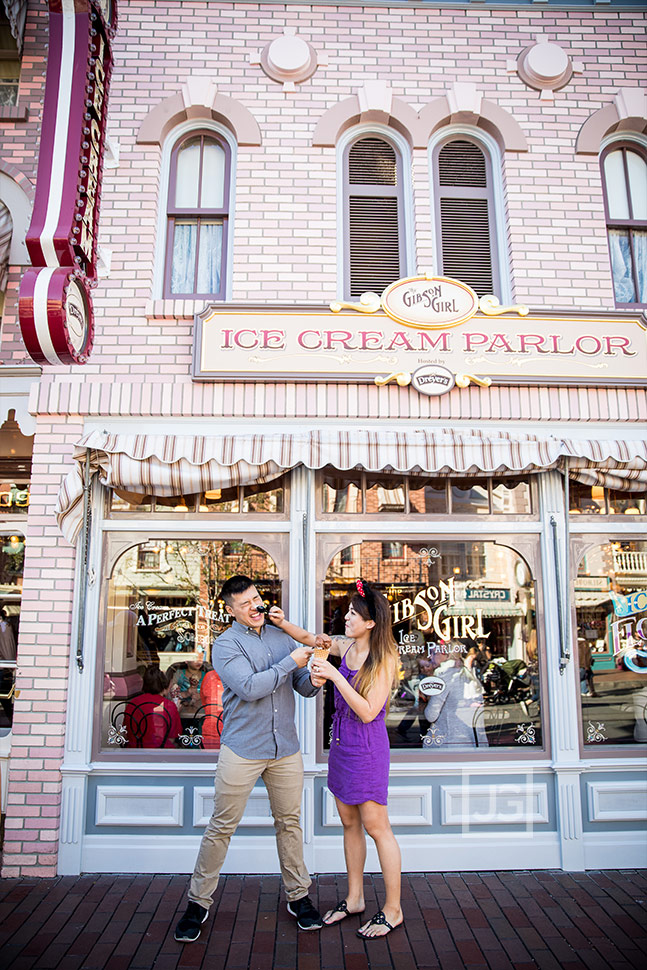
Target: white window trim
(407,196)
(165,162)
(489,145)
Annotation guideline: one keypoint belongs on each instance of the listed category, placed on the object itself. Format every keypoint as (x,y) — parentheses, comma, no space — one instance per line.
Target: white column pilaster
(80,707)
(563,687)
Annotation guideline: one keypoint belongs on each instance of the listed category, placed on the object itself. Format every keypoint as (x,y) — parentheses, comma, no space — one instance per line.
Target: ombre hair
(383,650)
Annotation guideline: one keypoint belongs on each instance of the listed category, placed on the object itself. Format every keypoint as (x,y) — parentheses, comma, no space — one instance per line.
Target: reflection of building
(225,404)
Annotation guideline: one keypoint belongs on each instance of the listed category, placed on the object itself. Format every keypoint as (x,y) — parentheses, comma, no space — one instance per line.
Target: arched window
(465,214)
(374,224)
(197,216)
(624,178)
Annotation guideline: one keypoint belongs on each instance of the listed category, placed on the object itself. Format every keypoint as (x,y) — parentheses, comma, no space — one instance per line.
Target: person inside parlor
(185,684)
(151,719)
(211,704)
(452,711)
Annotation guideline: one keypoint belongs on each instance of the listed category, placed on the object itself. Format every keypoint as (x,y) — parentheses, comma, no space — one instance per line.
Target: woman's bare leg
(355,855)
(376,822)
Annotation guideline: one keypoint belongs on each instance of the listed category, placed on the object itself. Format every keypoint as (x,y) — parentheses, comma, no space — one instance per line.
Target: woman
(358,767)
(151,719)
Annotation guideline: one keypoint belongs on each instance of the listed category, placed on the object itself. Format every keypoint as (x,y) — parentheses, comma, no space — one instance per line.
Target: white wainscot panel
(494,804)
(407,806)
(617,801)
(257,811)
(139,806)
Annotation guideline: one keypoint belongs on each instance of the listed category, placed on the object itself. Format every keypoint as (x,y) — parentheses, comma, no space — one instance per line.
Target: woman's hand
(323,670)
(323,640)
(276,615)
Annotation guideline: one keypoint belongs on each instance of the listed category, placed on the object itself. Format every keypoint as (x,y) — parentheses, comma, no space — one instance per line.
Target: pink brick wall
(285,241)
(285,250)
(31,826)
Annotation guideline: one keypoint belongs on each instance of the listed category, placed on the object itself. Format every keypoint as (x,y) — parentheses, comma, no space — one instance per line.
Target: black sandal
(341,907)
(378,920)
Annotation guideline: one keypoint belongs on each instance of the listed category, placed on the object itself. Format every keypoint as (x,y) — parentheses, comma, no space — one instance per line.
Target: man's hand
(316,681)
(323,640)
(276,615)
(301,656)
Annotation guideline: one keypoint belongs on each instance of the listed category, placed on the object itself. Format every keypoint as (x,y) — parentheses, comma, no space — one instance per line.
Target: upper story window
(198,214)
(465,214)
(624,178)
(9,63)
(374,216)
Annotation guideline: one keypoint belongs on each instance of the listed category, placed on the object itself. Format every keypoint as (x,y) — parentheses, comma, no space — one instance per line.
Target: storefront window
(596,500)
(12,558)
(390,494)
(159,689)
(611,608)
(15,468)
(464,621)
(269,498)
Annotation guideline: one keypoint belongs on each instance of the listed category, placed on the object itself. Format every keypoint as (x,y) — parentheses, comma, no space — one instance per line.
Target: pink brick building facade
(415,73)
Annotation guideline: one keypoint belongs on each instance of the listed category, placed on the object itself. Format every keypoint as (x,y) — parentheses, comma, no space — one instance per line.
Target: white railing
(630,563)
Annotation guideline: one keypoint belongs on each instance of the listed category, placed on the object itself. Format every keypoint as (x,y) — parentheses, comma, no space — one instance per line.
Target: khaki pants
(235,778)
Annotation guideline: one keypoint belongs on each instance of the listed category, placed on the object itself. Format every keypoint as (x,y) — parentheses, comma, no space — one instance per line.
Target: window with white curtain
(197,214)
(624,178)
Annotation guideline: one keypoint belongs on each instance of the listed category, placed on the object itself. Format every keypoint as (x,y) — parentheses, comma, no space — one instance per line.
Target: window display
(386,493)
(159,688)
(12,559)
(464,620)
(611,610)
(267,498)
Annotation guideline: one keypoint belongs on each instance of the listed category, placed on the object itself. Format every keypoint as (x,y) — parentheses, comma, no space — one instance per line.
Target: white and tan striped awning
(187,464)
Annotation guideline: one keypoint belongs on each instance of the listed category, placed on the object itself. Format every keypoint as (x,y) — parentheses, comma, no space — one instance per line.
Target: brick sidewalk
(501,921)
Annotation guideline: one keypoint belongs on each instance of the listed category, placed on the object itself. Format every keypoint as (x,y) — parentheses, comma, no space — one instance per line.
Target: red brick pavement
(454,921)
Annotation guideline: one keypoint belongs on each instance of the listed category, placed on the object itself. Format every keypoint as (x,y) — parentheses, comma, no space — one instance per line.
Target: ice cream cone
(321,653)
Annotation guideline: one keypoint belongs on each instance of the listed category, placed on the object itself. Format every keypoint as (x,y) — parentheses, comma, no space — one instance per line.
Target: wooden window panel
(465,215)
(374,243)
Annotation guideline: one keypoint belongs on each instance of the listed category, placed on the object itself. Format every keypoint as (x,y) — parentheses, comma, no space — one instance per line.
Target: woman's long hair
(383,650)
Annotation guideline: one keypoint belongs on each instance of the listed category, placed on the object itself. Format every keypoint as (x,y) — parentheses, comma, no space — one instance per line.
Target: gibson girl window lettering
(464,619)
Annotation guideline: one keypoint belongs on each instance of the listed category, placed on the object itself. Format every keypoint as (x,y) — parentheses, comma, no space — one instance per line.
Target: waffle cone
(321,653)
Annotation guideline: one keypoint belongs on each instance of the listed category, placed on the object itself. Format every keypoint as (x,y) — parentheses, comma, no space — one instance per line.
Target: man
(260,668)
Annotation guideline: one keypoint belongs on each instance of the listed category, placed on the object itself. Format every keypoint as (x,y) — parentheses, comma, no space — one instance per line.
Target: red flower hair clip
(360,588)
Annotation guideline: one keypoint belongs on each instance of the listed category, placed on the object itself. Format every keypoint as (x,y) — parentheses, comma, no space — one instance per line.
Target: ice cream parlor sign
(430,332)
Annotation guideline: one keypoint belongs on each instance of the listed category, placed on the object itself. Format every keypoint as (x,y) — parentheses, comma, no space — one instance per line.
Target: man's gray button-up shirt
(259,679)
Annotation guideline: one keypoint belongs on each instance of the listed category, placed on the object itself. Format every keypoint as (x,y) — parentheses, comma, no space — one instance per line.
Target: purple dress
(358,766)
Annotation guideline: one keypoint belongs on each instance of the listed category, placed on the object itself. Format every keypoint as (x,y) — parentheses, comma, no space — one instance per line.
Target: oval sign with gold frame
(429,303)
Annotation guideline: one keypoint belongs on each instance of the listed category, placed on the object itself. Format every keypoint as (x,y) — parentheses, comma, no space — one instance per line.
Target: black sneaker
(188,929)
(308,918)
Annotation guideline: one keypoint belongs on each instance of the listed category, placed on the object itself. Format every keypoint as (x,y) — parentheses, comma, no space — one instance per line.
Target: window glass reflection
(427,495)
(464,621)
(263,498)
(470,497)
(510,496)
(384,493)
(12,560)
(611,609)
(342,492)
(162,615)
(586,499)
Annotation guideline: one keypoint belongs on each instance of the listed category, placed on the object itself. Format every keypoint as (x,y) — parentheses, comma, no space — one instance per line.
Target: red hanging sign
(55,307)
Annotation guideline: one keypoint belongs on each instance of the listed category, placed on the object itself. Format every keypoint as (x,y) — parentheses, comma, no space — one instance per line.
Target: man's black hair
(233,586)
